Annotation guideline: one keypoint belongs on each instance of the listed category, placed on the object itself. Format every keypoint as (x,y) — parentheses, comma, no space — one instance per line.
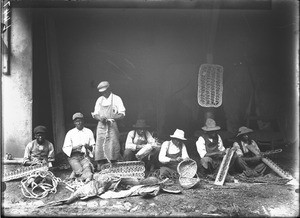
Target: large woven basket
(187,168)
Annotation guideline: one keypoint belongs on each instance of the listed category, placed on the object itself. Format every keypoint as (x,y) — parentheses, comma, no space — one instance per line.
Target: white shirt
(131,142)
(76,139)
(173,149)
(118,106)
(200,144)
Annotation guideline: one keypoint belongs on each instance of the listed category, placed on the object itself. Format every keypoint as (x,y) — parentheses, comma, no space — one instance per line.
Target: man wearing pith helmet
(108,109)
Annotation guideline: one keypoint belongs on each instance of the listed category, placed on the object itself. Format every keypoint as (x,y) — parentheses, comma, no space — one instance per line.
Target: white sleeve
(238,149)
(67,147)
(97,106)
(150,139)
(91,138)
(129,141)
(163,152)
(220,143)
(200,144)
(119,103)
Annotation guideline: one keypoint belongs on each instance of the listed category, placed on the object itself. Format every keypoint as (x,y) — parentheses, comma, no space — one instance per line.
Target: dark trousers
(253,166)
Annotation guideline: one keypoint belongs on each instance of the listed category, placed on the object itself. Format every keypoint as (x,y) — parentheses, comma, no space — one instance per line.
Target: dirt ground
(207,199)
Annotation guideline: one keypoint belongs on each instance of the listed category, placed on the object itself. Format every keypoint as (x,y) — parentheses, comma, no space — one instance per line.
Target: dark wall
(152,57)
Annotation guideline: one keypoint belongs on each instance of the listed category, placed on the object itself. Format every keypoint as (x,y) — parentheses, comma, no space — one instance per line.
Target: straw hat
(210,125)
(179,134)
(140,124)
(244,130)
(103,86)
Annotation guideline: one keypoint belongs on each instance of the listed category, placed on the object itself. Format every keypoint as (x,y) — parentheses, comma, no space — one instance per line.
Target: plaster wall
(17,87)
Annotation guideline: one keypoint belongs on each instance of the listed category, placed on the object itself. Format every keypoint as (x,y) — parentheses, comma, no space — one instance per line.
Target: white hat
(103,86)
(244,130)
(210,125)
(179,134)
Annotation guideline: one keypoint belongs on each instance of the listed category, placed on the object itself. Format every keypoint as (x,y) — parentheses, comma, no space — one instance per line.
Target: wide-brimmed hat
(77,115)
(40,129)
(103,86)
(244,130)
(210,125)
(179,134)
(140,124)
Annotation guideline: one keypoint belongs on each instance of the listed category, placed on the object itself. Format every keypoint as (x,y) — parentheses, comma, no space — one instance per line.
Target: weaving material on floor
(210,85)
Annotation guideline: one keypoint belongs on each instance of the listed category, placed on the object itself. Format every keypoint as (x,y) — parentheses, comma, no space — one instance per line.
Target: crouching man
(78,144)
(39,150)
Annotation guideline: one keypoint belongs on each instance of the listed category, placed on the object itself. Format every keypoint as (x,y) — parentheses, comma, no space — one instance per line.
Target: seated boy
(39,150)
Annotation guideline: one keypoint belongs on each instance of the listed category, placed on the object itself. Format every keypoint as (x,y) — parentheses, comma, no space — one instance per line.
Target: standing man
(39,150)
(78,144)
(108,108)
(210,148)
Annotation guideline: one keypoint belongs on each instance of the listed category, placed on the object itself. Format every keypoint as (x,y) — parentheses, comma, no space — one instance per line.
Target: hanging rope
(106,133)
(39,184)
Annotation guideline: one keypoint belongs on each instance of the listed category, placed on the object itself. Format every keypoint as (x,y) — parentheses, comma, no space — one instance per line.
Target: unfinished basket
(125,169)
(210,85)
(187,183)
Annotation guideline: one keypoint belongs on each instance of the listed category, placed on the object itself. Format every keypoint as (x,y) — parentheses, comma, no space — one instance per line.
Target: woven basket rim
(187,168)
(186,182)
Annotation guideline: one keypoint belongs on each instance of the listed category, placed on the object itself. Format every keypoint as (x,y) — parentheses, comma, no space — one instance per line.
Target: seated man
(140,145)
(78,144)
(210,148)
(172,153)
(248,158)
(39,150)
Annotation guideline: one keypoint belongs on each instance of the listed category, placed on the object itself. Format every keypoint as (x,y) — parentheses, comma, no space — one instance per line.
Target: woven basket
(187,168)
(187,183)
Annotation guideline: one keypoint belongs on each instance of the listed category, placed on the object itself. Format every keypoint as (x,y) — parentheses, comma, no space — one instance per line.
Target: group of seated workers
(79,147)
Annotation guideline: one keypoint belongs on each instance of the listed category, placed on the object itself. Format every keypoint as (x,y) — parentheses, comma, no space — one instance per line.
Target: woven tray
(24,171)
(210,85)
(125,169)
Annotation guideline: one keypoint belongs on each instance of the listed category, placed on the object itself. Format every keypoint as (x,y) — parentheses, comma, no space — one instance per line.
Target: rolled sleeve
(129,141)
(238,150)
(51,153)
(163,152)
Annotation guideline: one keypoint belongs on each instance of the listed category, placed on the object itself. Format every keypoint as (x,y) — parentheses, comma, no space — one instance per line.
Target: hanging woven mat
(210,85)
(125,169)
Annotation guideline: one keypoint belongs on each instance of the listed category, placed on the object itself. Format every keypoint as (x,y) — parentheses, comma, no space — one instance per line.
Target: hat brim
(207,129)
(176,137)
(102,89)
(245,132)
(141,127)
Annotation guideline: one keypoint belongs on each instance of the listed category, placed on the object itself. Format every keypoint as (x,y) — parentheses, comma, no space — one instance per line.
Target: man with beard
(249,158)
(210,148)
(78,144)
(39,150)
